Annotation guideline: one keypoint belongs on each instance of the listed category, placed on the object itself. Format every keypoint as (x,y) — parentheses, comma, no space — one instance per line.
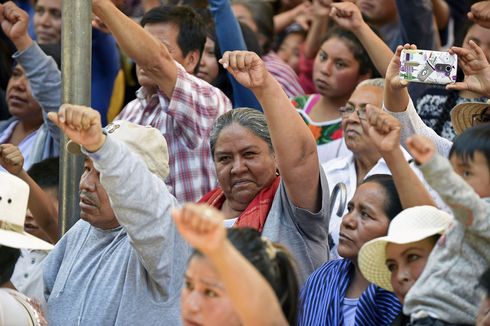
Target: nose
(238,166)
(403,275)
(193,301)
(45,19)
(326,67)
(350,221)
(19,83)
(87,181)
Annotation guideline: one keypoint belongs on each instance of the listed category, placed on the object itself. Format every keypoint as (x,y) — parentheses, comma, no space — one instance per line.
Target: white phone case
(431,67)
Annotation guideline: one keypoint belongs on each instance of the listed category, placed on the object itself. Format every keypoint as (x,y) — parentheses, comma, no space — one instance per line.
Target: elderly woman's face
(203,299)
(365,220)
(244,165)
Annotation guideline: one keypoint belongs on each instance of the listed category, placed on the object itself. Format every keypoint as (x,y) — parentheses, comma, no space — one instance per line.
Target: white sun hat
(411,225)
(14,194)
(145,141)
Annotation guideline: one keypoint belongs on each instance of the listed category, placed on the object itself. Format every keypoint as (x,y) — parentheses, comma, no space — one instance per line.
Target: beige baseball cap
(145,141)
(463,115)
(411,225)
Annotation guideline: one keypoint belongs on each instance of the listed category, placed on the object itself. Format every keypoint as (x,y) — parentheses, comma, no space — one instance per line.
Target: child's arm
(459,195)
(40,204)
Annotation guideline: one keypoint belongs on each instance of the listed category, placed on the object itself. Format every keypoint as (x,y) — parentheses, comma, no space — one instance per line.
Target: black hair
(392,204)
(192,31)
(484,282)
(273,262)
(46,173)
(263,15)
(471,140)
(8,258)
(360,54)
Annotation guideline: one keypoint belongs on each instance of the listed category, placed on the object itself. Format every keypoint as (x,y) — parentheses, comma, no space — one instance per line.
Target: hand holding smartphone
(430,67)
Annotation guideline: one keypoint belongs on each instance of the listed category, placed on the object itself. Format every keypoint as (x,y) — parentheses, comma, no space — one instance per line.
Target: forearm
(253,298)
(441,13)
(411,190)
(294,146)
(283,20)
(145,50)
(42,208)
(377,49)
(314,38)
(395,100)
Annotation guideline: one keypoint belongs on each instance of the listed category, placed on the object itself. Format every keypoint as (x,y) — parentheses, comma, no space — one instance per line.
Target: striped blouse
(323,293)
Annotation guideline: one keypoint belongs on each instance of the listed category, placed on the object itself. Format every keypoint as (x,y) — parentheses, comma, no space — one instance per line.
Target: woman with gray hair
(267,168)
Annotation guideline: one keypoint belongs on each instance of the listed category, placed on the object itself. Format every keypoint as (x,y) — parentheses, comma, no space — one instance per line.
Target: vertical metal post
(76,70)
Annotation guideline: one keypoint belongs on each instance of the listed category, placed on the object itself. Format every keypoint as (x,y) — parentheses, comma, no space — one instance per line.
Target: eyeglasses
(348,109)
(480,118)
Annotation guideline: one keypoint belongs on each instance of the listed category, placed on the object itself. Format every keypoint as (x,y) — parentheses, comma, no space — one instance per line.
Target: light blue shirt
(349,307)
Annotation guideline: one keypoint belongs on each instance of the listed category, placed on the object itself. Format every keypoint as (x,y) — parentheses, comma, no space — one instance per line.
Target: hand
(393,71)
(15,23)
(11,158)
(347,15)
(480,13)
(81,124)
(247,68)
(382,128)
(421,148)
(202,226)
(321,8)
(475,67)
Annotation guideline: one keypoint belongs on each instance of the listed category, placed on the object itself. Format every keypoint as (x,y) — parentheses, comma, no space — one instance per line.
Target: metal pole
(76,41)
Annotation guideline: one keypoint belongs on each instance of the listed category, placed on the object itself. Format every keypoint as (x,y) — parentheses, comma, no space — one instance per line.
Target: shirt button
(26,275)
(33,261)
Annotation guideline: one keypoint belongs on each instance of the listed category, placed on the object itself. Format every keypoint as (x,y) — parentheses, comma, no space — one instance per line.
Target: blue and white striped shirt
(323,293)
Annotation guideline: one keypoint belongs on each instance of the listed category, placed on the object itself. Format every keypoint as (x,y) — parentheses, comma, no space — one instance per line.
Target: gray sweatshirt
(130,275)
(446,289)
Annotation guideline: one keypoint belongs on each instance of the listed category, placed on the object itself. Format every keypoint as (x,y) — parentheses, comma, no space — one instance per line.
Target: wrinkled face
(204,300)
(30,224)
(243,15)
(475,172)
(168,34)
(20,101)
(378,11)
(208,66)
(481,36)
(95,207)
(366,219)
(244,165)
(354,135)
(336,71)
(289,50)
(406,262)
(47,21)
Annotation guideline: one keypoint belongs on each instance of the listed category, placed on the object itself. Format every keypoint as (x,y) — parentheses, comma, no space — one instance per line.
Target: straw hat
(411,225)
(462,114)
(14,194)
(147,142)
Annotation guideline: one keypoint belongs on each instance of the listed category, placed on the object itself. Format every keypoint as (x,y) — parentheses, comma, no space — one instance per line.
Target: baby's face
(475,171)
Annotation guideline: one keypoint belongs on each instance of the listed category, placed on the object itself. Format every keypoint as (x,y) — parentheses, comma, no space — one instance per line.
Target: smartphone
(430,67)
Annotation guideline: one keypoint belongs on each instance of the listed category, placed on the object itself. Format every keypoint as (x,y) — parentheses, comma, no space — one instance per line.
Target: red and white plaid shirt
(185,121)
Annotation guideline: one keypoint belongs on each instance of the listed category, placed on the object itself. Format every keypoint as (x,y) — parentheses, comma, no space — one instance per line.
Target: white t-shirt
(349,307)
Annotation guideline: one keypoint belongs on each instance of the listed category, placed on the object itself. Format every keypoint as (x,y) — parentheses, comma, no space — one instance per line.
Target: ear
(191,61)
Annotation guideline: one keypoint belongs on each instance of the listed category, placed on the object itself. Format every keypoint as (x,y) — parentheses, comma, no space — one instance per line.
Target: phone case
(431,67)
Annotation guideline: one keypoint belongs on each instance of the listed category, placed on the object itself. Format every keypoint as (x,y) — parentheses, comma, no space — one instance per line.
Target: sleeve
(230,38)
(142,204)
(45,81)
(412,124)
(468,208)
(194,106)
(312,225)
(105,67)
(416,23)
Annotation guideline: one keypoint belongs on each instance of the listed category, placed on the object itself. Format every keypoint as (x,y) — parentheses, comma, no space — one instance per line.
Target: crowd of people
(248,163)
